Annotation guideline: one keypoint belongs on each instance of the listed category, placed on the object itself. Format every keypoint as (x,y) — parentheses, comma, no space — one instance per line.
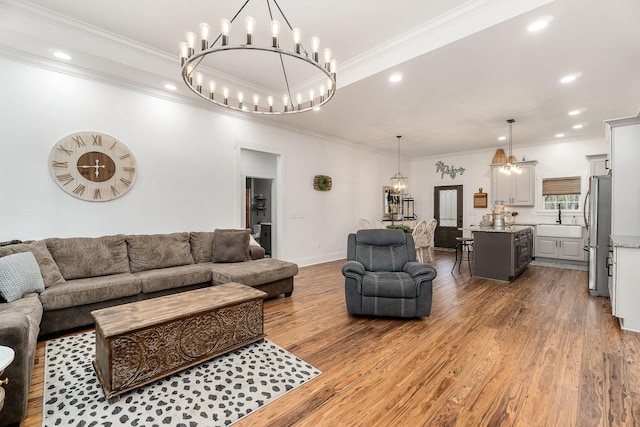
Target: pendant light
(510,166)
(399,182)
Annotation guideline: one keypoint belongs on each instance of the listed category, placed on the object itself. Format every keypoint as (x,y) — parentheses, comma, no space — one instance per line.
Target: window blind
(560,186)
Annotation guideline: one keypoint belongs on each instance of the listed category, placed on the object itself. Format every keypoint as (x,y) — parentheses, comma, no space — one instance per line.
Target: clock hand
(96,166)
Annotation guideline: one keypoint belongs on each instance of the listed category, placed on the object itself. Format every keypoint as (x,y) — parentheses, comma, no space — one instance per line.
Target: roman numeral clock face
(92,166)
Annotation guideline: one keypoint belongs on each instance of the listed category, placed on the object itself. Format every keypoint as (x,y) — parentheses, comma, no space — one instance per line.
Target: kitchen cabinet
(501,253)
(624,288)
(515,189)
(598,164)
(624,139)
(561,248)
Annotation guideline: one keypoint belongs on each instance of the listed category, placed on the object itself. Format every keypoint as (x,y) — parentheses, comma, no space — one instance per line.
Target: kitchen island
(501,253)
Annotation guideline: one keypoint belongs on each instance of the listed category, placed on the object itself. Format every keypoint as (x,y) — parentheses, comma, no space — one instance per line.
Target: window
(561,193)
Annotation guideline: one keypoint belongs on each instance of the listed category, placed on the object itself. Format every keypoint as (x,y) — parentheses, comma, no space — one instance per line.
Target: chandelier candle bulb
(285,101)
(191,43)
(184,52)
(212,89)
(256,99)
(327,57)
(190,74)
(225,28)
(199,82)
(250,24)
(240,99)
(311,96)
(225,94)
(275,32)
(205,33)
(315,48)
(297,38)
(270,102)
(299,99)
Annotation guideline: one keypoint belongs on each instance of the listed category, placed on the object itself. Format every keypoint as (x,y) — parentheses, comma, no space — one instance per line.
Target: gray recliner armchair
(382,277)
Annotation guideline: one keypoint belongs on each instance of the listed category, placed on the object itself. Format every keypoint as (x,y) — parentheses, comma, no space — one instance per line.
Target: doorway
(448,210)
(258,211)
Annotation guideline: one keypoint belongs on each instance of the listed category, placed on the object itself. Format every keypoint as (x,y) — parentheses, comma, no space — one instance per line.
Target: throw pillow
(50,272)
(231,245)
(19,275)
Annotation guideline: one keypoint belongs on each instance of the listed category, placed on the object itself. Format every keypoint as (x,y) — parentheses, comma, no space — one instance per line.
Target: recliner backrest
(382,249)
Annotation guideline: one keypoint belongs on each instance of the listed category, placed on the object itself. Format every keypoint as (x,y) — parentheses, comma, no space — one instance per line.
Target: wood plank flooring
(536,352)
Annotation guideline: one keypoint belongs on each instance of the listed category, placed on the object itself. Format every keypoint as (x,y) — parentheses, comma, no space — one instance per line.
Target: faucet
(559,220)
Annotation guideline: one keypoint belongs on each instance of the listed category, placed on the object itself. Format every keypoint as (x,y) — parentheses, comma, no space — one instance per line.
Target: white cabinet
(561,248)
(624,139)
(598,164)
(515,189)
(625,288)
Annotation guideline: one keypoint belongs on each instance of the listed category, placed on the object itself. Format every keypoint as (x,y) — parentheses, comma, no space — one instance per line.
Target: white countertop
(493,229)
(625,241)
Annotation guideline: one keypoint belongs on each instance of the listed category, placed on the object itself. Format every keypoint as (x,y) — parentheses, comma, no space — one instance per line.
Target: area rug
(218,392)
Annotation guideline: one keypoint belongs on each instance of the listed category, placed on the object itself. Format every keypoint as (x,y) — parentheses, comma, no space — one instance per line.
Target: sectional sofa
(64,279)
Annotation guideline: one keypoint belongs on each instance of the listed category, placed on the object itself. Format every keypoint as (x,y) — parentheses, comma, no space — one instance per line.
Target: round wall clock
(92,166)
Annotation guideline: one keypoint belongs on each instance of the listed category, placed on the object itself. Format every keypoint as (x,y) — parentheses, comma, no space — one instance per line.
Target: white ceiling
(467,66)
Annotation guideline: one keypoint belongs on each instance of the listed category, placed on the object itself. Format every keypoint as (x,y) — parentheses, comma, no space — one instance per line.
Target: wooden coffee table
(141,342)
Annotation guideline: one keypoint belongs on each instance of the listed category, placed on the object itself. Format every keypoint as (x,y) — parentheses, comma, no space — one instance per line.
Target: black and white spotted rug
(218,392)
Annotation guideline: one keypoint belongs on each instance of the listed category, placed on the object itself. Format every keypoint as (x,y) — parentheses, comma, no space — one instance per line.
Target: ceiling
(467,66)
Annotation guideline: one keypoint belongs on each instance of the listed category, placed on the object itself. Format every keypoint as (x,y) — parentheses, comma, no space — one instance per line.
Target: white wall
(556,159)
(189,168)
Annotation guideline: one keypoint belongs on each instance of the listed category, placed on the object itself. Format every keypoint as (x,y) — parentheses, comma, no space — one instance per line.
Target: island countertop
(505,229)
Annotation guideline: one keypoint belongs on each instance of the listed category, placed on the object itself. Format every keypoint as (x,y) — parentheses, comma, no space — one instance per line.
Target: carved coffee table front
(141,342)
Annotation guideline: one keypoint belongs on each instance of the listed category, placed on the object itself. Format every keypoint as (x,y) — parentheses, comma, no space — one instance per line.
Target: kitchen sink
(559,230)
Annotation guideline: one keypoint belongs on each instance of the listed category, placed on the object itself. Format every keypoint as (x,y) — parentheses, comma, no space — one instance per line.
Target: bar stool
(464,244)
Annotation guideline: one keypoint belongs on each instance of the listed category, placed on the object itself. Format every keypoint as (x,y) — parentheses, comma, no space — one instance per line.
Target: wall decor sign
(452,171)
(322,183)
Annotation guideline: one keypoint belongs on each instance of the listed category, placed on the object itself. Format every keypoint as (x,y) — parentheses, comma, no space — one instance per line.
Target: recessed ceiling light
(569,78)
(559,135)
(170,86)
(539,24)
(394,78)
(578,126)
(502,138)
(62,55)
(574,112)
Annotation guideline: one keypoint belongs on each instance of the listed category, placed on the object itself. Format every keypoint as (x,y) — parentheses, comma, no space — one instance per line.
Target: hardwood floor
(535,352)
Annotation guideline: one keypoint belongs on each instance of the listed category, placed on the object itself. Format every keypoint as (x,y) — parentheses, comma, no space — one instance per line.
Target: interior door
(448,210)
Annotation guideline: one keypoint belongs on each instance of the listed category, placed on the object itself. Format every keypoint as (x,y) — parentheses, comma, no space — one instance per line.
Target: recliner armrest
(419,271)
(353,269)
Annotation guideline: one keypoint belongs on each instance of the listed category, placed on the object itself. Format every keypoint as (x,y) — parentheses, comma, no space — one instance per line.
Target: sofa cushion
(48,268)
(151,251)
(231,245)
(253,273)
(201,246)
(80,257)
(389,284)
(19,275)
(173,277)
(78,292)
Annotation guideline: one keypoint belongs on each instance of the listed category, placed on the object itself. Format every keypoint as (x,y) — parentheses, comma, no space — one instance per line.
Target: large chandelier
(251,76)
(399,182)
(510,166)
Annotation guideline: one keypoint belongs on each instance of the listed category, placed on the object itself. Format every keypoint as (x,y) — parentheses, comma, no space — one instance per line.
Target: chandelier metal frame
(191,59)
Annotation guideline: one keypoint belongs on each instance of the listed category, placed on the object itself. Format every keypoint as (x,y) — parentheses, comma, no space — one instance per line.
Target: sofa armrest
(257,252)
(14,333)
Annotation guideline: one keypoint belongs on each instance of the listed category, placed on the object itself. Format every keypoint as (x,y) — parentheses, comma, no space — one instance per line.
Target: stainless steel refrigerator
(597,211)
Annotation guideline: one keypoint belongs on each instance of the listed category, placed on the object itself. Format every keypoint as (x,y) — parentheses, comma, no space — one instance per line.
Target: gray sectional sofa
(80,275)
